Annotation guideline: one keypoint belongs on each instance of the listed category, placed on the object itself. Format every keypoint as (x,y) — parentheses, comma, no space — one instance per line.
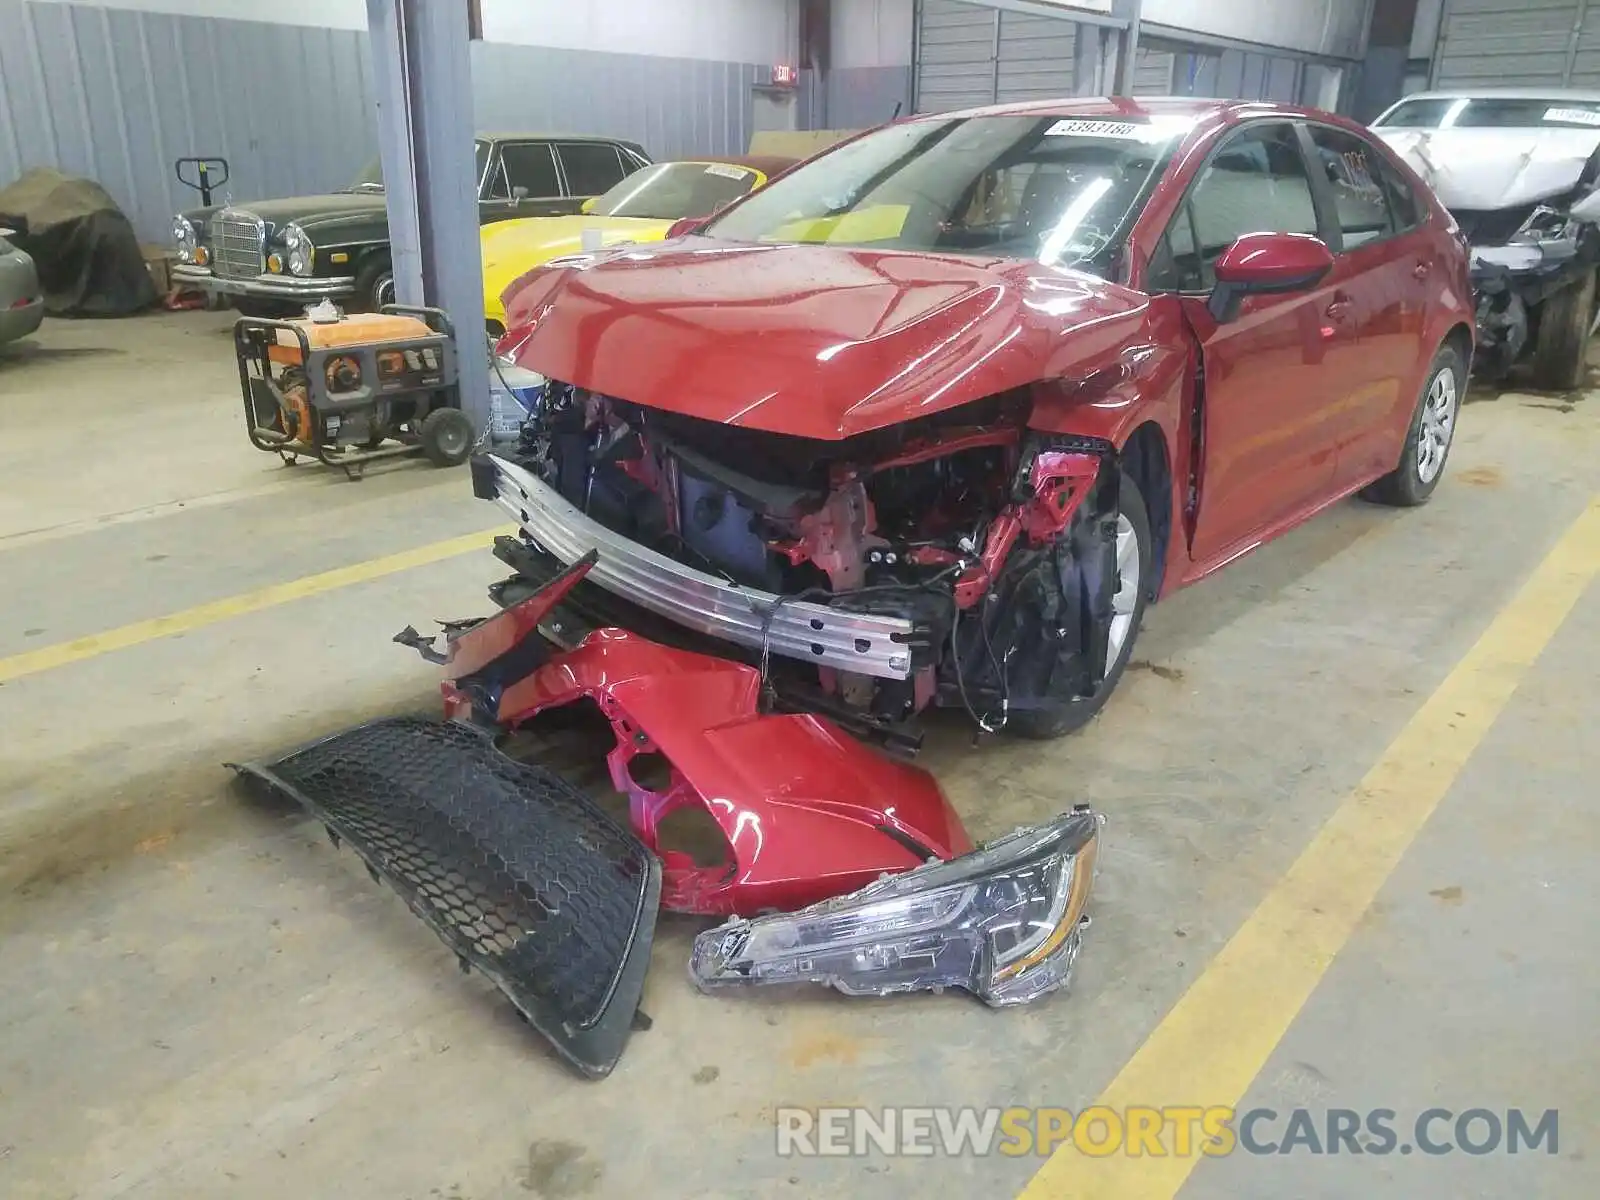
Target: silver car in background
(1519,170)
(21,301)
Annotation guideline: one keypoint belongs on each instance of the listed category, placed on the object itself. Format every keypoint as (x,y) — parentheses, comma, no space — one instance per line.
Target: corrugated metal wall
(116,94)
(671,106)
(1488,43)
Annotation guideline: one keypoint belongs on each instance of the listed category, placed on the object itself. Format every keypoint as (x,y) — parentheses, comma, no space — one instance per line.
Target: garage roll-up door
(1489,43)
(1035,58)
(969,55)
(1586,63)
(1152,72)
(955,55)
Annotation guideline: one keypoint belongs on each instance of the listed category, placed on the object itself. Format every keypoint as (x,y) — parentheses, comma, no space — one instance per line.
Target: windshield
(671,191)
(371,177)
(1492,112)
(1048,188)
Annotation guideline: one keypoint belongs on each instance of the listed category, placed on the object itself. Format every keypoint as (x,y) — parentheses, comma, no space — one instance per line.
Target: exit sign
(784,75)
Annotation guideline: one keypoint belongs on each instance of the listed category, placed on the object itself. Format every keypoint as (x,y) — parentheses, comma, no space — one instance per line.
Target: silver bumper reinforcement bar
(828,637)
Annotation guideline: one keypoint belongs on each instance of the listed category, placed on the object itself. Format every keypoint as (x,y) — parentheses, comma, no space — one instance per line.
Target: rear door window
(529,165)
(1360,203)
(592,168)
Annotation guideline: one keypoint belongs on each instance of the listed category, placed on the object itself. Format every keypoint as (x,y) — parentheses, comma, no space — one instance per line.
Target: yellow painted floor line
(60,654)
(1211,1046)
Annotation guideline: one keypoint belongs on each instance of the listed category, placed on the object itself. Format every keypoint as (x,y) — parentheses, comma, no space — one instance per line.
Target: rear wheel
(1428,441)
(447,436)
(1055,716)
(1560,349)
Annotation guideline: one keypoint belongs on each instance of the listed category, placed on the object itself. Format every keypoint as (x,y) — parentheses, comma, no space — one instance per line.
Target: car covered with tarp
(81,242)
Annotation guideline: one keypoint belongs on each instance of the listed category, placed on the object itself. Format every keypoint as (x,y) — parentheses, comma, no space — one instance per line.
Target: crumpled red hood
(816,341)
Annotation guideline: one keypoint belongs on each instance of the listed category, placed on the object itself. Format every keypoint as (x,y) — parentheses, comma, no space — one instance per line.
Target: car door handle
(1421,270)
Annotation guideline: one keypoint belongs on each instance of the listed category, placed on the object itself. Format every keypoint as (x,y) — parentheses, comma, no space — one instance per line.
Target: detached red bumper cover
(807,812)
(531,882)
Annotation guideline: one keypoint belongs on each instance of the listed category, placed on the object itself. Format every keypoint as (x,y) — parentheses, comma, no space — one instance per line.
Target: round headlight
(183,237)
(301,254)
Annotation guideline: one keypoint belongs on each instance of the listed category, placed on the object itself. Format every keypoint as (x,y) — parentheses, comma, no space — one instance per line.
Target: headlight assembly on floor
(1003,922)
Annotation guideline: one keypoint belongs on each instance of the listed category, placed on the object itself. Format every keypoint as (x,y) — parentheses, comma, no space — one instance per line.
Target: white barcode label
(1573,116)
(1076,126)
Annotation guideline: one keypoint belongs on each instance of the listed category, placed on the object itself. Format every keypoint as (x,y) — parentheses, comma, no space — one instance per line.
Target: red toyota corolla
(926,421)
(931,417)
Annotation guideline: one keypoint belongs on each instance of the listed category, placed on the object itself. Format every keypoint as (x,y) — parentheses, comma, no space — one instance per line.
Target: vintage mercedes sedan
(930,419)
(274,255)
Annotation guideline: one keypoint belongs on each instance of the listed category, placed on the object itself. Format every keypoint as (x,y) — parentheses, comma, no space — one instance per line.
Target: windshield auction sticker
(1078,127)
(1573,116)
(726,171)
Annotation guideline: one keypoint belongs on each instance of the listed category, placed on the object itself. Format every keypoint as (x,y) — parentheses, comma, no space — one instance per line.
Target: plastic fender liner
(1086,557)
(807,812)
(516,870)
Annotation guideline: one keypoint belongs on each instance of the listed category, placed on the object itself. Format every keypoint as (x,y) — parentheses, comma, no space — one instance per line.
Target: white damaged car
(1518,171)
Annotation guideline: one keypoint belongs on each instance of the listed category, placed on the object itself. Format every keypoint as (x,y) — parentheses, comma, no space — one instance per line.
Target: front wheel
(1428,440)
(1054,716)
(1561,345)
(374,284)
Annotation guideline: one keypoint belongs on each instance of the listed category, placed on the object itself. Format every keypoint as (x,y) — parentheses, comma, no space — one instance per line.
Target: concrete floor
(203,998)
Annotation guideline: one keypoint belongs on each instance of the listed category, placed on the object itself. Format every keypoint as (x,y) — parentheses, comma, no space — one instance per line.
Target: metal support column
(1127,46)
(422,76)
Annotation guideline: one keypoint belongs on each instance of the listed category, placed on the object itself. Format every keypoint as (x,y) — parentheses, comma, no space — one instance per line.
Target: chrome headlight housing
(1003,922)
(184,238)
(299,254)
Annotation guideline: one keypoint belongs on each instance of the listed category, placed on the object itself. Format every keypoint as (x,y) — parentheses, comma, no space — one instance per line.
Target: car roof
(1507,93)
(527,136)
(1130,106)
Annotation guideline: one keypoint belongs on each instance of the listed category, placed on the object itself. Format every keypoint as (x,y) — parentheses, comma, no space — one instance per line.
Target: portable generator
(348,389)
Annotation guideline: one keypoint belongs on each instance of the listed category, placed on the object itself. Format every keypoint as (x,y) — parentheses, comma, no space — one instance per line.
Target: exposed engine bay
(992,547)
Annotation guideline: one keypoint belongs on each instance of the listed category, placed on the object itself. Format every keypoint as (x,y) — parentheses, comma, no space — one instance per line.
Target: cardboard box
(158,261)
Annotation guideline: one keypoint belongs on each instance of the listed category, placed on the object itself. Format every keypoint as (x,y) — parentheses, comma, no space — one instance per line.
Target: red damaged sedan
(926,421)
(962,395)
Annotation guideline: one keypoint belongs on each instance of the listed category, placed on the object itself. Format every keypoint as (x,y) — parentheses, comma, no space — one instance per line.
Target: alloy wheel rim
(1437,426)
(384,292)
(1126,600)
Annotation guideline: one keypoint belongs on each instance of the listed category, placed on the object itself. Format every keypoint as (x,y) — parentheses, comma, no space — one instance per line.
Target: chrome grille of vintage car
(237,248)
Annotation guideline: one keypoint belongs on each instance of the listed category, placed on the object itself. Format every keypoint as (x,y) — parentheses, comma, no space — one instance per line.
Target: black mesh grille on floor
(519,872)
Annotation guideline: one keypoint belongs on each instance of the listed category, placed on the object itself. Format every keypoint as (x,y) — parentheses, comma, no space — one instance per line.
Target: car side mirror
(1266,264)
(519,194)
(588,205)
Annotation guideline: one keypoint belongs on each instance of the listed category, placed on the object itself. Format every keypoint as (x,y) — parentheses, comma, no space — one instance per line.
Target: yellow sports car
(639,209)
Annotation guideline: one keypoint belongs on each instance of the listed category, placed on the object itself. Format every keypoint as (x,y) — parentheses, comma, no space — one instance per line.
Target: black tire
(447,437)
(1561,345)
(1054,720)
(1405,487)
(374,284)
